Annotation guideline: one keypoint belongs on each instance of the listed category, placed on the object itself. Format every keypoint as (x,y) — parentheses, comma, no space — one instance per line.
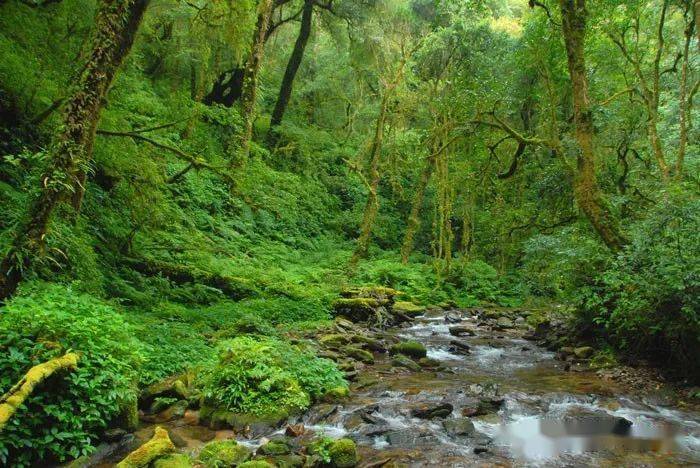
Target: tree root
(13,399)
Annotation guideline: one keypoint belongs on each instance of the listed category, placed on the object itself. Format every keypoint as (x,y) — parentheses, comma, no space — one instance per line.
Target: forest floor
(487,392)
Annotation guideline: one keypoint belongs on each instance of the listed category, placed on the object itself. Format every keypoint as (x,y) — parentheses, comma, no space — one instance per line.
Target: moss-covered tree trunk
(293,65)
(586,190)
(241,148)
(683,104)
(64,180)
(413,223)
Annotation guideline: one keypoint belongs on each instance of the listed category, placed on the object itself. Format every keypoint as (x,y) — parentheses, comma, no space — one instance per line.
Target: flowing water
(542,415)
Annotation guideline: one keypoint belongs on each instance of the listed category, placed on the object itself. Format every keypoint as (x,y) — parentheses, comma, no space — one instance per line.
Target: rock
(411,349)
(335,394)
(159,445)
(343,453)
(275,447)
(462,330)
(584,352)
(295,430)
(253,425)
(404,361)
(408,308)
(540,332)
(113,435)
(429,363)
(359,354)
(176,460)
(453,317)
(344,325)
(383,295)
(458,426)
(486,390)
(480,449)
(335,340)
(459,347)
(172,387)
(369,343)
(431,410)
(223,453)
(288,461)
(586,424)
(411,438)
(504,323)
(356,310)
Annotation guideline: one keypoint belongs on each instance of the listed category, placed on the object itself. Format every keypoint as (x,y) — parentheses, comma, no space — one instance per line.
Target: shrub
(61,420)
(267,376)
(648,300)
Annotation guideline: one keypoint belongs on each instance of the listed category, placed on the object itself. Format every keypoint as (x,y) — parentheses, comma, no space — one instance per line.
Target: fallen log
(13,399)
(159,445)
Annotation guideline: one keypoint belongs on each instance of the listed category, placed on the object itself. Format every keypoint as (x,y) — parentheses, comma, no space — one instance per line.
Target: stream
(546,416)
(505,402)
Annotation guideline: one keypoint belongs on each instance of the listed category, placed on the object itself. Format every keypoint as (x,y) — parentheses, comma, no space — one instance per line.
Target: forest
(338,233)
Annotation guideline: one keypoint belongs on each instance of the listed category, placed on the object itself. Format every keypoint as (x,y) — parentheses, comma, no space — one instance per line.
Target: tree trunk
(586,190)
(116,26)
(683,103)
(293,65)
(250,84)
(414,218)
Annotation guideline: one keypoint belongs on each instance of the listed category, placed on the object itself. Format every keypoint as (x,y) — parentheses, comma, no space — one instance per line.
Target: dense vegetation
(184,184)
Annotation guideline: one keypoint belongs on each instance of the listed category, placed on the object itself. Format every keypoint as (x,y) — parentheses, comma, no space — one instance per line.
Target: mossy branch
(16,396)
(159,445)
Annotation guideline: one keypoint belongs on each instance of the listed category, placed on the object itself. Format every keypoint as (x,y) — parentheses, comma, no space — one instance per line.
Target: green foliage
(64,418)
(648,299)
(268,376)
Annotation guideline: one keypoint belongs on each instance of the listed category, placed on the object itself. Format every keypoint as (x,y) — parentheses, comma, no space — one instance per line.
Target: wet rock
(295,430)
(369,343)
(480,449)
(488,389)
(429,363)
(253,425)
(462,330)
(408,308)
(275,447)
(114,435)
(175,386)
(288,461)
(320,413)
(458,426)
(504,323)
(343,454)
(175,411)
(453,317)
(586,424)
(584,352)
(459,347)
(412,349)
(431,410)
(540,331)
(401,360)
(359,354)
(411,438)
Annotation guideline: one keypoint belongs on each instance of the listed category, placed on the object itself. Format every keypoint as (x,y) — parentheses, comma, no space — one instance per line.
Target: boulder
(172,387)
(358,309)
(459,347)
(458,426)
(401,360)
(343,453)
(275,447)
(504,323)
(411,438)
(453,317)
(431,410)
(429,363)
(584,352)
(411,349)
(408,308)
(223,453)
(335,340)
(462,330)
(358,354)
(369,343)
(176,460)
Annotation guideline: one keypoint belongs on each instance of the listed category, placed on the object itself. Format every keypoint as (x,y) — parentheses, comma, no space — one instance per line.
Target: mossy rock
(219,418)
(128,416)
(359,354)
(176,460)
(401,360)
(370,343)
(412,349)
(343,453)
(223,453)
(159,446)
(335,340)
(275,447)
(408,308)
(336,393)
(172,387)
(289,461)
(359,309)
(429,363)
(383,294)
(256,464)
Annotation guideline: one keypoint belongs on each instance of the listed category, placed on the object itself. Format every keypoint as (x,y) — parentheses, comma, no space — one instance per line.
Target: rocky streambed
(476,387)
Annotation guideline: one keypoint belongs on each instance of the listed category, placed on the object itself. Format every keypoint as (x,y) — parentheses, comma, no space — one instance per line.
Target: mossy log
(159,445)
(233,287)
(13,399)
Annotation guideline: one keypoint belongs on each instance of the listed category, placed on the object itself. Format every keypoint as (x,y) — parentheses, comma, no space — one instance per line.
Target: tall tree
(587,192)
(293,64)
(117,22)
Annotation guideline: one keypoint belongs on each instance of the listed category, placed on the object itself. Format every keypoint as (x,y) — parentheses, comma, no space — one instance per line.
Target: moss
(334,340)
(219,418)
(411,349)
(369,343)
(128,416)
(359,354)
(404,361)
(176,460)
(408,308)
(359,309)
(336,393)
(159,445)
(223,452)
(275,447)
(256,464)
(343,453)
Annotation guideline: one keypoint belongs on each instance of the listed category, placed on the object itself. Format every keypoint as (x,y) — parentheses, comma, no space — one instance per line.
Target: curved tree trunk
(413,223)
(241,148)
(293,65)
(586,190)
(116,26)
